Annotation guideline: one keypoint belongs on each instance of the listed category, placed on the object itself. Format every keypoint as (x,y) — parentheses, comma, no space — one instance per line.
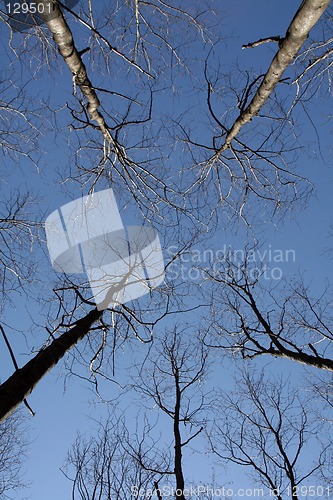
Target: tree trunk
(63,38)
(305,18)
(180,483)
(19,385)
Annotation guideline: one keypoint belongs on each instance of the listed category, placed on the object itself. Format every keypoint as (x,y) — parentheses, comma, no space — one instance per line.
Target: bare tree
(282,321)
(305,18)
(19,236)
(128,151)
(134,177)
(20,119)
(172,378)
(248,171)
(247,165)
(13,445)
(267,428)
(101,467)
(144,461)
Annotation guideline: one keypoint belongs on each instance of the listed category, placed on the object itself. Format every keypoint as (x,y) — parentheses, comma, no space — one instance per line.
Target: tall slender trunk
(305,18)
(19,385)
(180,483)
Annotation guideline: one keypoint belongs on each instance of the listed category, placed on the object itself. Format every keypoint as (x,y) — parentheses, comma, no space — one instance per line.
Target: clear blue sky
(60,414)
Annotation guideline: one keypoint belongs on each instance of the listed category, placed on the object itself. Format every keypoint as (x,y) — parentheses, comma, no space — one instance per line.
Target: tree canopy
(219,143)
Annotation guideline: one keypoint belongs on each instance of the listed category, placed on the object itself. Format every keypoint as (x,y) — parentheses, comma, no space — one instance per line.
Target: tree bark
(305,18)
(19,385)
(302,357)
(63,38)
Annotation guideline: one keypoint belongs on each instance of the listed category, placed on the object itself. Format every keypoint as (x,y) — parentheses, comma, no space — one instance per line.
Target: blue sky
(61,413)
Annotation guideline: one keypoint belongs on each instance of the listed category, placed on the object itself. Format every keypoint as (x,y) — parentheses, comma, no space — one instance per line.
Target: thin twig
(262,41)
